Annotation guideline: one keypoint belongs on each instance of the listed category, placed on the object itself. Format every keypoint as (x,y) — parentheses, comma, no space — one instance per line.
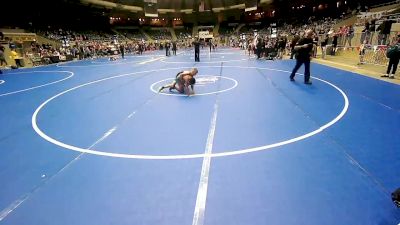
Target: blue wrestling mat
(93,142)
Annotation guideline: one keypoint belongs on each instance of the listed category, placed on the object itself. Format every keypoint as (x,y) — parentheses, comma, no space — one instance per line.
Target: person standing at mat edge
(167,48)
(196,44)
(393,53)
(303,50)
(122,51)
(174,48)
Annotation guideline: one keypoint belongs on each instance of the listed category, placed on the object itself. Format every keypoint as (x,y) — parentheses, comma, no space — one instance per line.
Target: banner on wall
(205,34)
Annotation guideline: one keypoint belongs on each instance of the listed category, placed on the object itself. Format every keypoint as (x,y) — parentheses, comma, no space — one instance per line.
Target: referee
(304,49)
(196,50)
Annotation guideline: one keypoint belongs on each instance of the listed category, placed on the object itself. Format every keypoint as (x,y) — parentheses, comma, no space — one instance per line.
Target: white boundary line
(66,65)
(212,53)
(190,156)
(125,60)
(107,61)
(181,95)
(214,62)
(198,217)
(113,63)
(143,56)
(14,205)
(39,86)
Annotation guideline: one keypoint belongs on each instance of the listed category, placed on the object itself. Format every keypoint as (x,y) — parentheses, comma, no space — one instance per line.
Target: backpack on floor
(396,197)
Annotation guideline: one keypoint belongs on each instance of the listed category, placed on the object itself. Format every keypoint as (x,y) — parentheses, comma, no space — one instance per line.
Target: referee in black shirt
(304,49)
(196,50)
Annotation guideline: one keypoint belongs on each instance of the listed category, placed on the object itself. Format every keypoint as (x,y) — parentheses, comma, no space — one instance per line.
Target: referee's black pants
(197,56)
(393,62)
(306,63)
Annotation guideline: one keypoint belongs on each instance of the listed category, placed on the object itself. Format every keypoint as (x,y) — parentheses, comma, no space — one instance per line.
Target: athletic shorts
(177,77)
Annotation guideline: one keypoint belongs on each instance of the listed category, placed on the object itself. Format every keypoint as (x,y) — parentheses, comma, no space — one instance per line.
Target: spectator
(324,43)
(349,35)
(384,29)
(2,57)
(167,49)
(393,53)
(11,45)
(372,30)
(365,33)
(16,57)
(174,47)
(122,51)
(334,43)
(295,39)
(362,52)
(259,46)
(315,46)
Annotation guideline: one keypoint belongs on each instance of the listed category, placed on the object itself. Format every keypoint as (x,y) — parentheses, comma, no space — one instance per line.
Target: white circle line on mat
(235,84)
(38,86)
(188,156)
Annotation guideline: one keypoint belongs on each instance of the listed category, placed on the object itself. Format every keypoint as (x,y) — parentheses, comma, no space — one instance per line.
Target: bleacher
(183,33)
(225,30)
(132,34)
(82,35)
(159,34)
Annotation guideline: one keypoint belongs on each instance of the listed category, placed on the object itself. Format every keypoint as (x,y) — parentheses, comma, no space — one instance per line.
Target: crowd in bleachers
(77,45)
(328,37)
(87,35)
(183,34)
(226,30)
(160,34)
(133,35)
(263,43)
(95,49)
